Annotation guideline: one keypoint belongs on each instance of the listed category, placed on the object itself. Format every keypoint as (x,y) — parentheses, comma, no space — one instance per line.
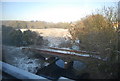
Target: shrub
(15,37)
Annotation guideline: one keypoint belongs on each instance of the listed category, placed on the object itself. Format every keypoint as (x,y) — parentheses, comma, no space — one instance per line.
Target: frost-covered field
(15,57)
(54,32)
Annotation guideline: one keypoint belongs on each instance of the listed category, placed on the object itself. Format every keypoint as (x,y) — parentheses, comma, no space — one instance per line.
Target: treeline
(16,37)
(34,24)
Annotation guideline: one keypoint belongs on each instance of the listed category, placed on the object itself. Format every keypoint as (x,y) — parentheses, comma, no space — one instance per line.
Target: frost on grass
(15,57)
(30,65)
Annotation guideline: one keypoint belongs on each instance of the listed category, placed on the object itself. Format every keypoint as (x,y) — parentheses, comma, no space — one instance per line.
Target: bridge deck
(76,51)
(63,53)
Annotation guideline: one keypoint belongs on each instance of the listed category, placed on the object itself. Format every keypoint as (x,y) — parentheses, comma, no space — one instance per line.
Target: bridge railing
(19,73)
(24,75)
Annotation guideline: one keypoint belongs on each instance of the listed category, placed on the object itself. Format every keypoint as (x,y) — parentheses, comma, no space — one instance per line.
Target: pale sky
(50,10)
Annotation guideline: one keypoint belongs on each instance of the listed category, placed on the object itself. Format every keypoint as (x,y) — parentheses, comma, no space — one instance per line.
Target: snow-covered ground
(15,57)
(30,65)
(54,41)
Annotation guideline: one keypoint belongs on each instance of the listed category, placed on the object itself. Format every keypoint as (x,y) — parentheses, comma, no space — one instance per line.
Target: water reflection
(60,63)
(77,65)
(56,70)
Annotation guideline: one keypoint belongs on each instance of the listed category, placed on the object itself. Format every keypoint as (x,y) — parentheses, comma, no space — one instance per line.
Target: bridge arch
(77,65)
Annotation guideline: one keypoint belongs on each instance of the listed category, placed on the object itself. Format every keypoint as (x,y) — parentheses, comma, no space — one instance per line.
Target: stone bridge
(68,56)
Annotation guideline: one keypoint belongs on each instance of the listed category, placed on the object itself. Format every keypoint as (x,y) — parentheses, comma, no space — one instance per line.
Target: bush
(95,33)
(6,38)
(15,37)
(110,68)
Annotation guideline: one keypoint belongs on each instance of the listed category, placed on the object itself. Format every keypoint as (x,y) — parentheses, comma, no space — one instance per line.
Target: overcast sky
(50,10)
